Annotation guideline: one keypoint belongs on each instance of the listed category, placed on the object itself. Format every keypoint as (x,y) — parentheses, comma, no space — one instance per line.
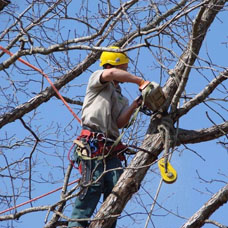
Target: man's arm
(115,74)
(125,116)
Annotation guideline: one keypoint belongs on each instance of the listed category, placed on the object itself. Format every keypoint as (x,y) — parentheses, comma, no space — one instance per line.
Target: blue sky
(188,193)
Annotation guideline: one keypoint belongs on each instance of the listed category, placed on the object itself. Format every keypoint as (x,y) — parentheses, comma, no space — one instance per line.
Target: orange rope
(36,198)
(50,82)
(69,108)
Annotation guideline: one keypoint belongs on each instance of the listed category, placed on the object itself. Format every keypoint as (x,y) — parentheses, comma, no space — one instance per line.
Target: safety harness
(93,145)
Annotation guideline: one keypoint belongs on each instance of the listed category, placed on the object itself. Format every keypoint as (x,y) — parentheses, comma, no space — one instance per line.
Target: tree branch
(216,201)
(202,95)
(202,135)
(46,95)
(182,69)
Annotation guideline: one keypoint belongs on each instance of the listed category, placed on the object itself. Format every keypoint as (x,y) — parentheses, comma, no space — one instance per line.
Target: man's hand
(125,116)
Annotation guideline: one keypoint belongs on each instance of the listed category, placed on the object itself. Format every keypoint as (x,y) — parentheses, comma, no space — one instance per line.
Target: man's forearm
(118,75)
(124,118)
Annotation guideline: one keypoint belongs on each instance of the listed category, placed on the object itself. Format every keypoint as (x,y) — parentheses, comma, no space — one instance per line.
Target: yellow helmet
(113,58)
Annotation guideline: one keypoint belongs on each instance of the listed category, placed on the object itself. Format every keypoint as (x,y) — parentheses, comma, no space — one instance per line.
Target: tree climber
(105,110)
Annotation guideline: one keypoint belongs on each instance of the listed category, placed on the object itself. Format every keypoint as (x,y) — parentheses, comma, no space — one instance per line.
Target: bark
(207,134)
(3,3)
(132,177)
(200,217)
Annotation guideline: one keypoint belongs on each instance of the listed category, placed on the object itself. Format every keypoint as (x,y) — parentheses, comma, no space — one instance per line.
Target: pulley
(168,173)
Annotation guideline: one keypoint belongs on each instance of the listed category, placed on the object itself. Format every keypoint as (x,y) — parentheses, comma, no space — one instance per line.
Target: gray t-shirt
(102,106)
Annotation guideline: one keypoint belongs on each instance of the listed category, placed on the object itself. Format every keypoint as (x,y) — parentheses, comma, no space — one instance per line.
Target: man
(105,110)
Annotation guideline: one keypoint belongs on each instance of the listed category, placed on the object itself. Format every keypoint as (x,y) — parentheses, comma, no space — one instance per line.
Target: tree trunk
(132,177)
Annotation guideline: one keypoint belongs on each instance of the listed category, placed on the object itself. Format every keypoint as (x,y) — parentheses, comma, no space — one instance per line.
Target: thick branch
(181,71)
(202,135)
(217,200)
(44,96)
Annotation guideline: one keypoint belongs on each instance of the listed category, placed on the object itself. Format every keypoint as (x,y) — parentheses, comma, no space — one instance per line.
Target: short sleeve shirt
(102,106)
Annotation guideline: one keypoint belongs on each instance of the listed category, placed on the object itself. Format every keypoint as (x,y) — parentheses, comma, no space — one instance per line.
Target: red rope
(68,156)
(69,108)
(36,198)
(50,82)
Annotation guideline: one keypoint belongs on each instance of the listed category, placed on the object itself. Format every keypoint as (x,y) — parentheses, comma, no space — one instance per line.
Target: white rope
(161,181)
(153,204)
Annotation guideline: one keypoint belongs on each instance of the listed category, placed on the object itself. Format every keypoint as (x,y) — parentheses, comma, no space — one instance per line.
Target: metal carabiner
(100,137)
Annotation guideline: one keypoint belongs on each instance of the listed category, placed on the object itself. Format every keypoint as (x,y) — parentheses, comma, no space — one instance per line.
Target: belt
(89,133)
(90,129)
(102,145)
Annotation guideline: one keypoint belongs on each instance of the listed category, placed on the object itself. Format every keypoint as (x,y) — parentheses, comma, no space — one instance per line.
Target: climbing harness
(91,146)
(95,145)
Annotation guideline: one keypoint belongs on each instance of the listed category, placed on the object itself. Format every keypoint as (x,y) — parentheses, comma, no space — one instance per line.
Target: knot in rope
(166,129)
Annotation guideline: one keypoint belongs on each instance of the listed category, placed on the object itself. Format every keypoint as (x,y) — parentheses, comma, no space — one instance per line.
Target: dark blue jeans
(85,208)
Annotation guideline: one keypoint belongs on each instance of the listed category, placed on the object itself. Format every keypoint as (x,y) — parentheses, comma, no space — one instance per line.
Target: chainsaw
(152,96)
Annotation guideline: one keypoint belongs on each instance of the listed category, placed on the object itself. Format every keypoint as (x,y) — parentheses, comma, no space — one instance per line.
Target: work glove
(143,84)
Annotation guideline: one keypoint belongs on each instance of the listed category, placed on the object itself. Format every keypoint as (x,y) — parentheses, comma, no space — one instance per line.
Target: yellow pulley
(168,173)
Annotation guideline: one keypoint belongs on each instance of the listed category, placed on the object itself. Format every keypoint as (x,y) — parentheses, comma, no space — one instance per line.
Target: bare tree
(64,39)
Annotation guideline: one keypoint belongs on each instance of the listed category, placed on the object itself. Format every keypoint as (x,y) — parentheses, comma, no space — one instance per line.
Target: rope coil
(166,130)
